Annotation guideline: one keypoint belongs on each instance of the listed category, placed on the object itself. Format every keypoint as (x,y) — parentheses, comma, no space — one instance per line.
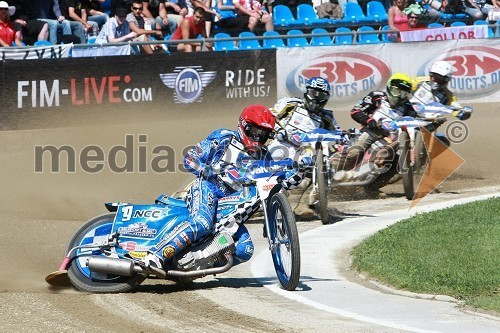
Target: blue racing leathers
(204,160)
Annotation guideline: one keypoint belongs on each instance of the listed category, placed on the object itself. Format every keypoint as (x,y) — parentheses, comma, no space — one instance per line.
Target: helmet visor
(318,95)
(258,134)
(398,92)
(439,79)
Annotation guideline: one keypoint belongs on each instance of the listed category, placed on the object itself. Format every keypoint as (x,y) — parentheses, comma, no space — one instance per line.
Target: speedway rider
(397,95)
(434,88)
(302,115)
(255,127)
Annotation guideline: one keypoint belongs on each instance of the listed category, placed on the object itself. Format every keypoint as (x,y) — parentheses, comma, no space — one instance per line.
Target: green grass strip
(454,252)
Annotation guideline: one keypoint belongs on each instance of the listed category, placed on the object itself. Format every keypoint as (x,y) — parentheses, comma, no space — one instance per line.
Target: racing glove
(464,113)
(372,124)
(305,163)
(208,172)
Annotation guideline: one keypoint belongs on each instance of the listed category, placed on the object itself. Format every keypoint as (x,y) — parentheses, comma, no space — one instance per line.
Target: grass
(453,252)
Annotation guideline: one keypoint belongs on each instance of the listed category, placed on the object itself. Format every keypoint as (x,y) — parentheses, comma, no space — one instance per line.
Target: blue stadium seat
(298,41)
(385,37)
(91,40)
(376,12)
(320,40)
(353,13)
(491,34)
(225,13)
(248,44)
(343,39)
(225,45)
(458,24)
(453,17)
(307,16)
(368,38)
(435,25)
(42,43)
(274,42)
(283,17)
(14,43)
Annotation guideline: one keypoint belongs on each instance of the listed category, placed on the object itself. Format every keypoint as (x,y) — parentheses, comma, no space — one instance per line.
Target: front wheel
(284,236)
(321,187)
(95,231)
(404,165)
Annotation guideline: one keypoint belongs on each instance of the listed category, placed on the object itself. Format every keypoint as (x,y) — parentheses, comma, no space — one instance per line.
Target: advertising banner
(37,52)
(62,92)
(101,51)
(449,33)
(355,70)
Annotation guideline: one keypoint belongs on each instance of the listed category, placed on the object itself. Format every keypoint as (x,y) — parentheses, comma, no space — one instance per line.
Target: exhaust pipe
(115,266)
(123,267)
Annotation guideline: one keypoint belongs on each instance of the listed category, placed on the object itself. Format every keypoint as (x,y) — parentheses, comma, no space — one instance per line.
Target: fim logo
(188,83)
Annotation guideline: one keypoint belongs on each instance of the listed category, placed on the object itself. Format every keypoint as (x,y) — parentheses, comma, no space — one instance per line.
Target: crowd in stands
(26,22)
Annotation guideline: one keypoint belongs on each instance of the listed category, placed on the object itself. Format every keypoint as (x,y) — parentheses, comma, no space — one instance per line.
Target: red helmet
(256,126)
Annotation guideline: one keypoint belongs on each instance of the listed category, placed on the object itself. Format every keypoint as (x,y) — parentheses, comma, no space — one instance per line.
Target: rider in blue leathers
(255,127)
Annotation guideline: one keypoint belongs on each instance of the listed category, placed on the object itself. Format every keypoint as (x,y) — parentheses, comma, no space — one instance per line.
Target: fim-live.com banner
(62,92)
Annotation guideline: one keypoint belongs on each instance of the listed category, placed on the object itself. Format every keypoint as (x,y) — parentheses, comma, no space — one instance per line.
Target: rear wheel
(321,187)
(284,235)
(404,165)
(96,230)
(421,158)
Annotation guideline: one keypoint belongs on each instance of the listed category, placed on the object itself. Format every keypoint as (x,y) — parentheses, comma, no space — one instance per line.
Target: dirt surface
(40,211)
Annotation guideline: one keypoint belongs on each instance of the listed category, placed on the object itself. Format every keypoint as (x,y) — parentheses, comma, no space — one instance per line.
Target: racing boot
(180,237)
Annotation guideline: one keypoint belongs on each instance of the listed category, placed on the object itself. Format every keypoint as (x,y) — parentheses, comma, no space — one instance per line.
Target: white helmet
(440,73)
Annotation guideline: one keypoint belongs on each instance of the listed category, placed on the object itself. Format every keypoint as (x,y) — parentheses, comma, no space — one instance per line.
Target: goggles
(258,134)
(397,92)
(317,94)
(439,79)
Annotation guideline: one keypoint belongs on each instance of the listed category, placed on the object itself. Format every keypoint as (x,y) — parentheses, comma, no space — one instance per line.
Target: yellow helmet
(399,88)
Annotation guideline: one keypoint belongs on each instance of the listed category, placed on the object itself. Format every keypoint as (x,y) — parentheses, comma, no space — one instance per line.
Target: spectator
(77,27)
(154,10)
(460,6)
(252,15)
(484,6)
(150,11)
(430,10)
(94,12)
(49,11)
(7,32)
(27,30)
(190,28)
(267,5)
(175,11)
(139,25)
(414,13)
(119,3)
(397,18)
(210,13)
(117,29)
(77,11)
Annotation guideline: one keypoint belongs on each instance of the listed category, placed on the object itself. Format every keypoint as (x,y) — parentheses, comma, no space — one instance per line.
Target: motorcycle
(402,153)
(104,255)
(324,143)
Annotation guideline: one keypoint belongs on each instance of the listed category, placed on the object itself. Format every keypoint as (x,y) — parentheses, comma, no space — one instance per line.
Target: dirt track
(40,211)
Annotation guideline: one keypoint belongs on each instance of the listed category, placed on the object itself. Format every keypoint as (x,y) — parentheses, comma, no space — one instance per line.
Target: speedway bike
(104,255)
(324,143)
(402,154)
